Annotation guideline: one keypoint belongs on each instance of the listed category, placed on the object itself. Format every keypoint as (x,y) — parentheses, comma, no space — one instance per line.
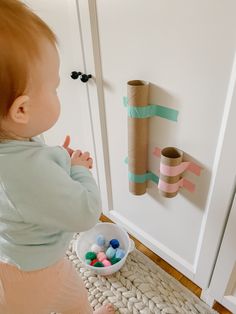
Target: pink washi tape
(176,170)
(174,187)
(157,152)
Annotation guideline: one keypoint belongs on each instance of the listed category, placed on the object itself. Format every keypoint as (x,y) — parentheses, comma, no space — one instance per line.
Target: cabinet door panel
(223,283)
(185,49)
(75,120)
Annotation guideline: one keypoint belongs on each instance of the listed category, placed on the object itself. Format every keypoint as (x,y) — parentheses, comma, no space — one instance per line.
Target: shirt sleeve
(52,193)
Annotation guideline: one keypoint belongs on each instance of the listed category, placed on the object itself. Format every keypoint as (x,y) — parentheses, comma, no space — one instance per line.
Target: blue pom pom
(114,243)
(100,240)
(120,253)
(110,252)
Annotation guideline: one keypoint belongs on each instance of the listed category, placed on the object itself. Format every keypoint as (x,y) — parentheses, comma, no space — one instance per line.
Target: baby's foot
(105,309)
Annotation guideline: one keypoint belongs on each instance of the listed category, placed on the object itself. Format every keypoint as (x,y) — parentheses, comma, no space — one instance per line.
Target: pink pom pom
(106,263)
(101,256)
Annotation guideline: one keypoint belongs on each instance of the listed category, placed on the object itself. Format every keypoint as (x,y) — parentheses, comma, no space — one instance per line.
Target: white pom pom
(96,248)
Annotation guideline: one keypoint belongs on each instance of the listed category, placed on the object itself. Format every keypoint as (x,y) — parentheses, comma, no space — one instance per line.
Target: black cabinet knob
(75,75)
(83,77)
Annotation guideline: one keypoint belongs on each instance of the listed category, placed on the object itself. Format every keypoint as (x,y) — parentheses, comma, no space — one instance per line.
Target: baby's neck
(13,137)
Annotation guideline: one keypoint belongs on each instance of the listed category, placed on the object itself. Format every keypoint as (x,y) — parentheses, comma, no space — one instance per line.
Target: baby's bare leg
(105,309)
(76,311)
(73,297)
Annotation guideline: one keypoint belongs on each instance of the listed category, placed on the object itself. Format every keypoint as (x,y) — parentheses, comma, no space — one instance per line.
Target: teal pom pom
(110,252)
(114,243)
(98,264)
(100,240)
(90,255)
(120,253)
(114,260)
(88,261)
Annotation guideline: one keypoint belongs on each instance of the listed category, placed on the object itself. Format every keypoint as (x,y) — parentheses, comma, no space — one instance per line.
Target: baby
(46,193)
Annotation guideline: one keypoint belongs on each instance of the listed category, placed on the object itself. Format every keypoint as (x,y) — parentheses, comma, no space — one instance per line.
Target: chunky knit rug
(140,286)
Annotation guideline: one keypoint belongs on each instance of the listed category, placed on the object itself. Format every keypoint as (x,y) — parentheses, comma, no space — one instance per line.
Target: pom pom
(101,256)
(114,243)
(88,261)
(106,263)
(120,253)
(98,264)
(107,243)
(100,240)
(114,260)
(90,255)
(96,248)
(110,252)
(94,261)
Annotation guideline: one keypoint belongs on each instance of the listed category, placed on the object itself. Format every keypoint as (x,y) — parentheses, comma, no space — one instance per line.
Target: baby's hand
(66,145)
(81,159)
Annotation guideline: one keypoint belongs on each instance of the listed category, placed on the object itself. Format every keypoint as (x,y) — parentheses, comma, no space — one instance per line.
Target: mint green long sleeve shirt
(43,202)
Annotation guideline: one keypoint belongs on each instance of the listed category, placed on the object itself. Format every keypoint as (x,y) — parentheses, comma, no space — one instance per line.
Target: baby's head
(29,73)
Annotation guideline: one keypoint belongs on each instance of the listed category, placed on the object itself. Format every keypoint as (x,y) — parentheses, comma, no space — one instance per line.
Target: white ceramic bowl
(109,231)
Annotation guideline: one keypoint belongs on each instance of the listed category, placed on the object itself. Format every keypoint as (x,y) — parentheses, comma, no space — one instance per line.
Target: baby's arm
(55,194)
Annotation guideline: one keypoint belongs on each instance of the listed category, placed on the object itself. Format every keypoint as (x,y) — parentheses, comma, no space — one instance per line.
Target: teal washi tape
(141,178)
(150,111)
(125,101)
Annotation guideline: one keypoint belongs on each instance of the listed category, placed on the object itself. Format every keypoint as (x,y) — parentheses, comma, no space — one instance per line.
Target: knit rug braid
(140,286)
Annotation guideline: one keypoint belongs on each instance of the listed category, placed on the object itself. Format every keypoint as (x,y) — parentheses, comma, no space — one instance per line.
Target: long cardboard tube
(170,156)
(137,92)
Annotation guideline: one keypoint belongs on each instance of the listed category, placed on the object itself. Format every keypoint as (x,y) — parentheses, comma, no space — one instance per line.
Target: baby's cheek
(57,107)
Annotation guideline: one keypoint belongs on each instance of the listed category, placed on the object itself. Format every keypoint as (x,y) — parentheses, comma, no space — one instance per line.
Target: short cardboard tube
(170,156)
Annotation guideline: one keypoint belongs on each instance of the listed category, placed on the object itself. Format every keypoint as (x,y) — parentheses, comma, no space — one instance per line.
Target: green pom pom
(98,264)
(88,261)
(114,260)
(90,255)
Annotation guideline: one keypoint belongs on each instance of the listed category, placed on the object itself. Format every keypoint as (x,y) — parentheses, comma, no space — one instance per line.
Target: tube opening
(171,152)
(137,83)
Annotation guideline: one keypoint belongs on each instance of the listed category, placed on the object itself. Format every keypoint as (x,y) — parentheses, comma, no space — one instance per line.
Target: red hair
(21,32)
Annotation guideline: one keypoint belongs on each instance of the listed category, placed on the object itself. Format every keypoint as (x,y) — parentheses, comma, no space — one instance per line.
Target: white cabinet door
(185,49)
(223,283)
(75,119)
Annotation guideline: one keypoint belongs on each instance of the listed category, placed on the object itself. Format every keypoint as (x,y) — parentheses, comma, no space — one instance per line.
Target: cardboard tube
(137,135)
(170,156)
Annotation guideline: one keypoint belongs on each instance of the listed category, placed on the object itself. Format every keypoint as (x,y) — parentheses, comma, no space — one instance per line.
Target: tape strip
(174,187)
(175,170)
(157,152)
(188,185)
(141,178)
(151,111)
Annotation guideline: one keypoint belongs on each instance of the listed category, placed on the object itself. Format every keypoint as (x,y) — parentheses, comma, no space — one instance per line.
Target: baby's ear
(19,110)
